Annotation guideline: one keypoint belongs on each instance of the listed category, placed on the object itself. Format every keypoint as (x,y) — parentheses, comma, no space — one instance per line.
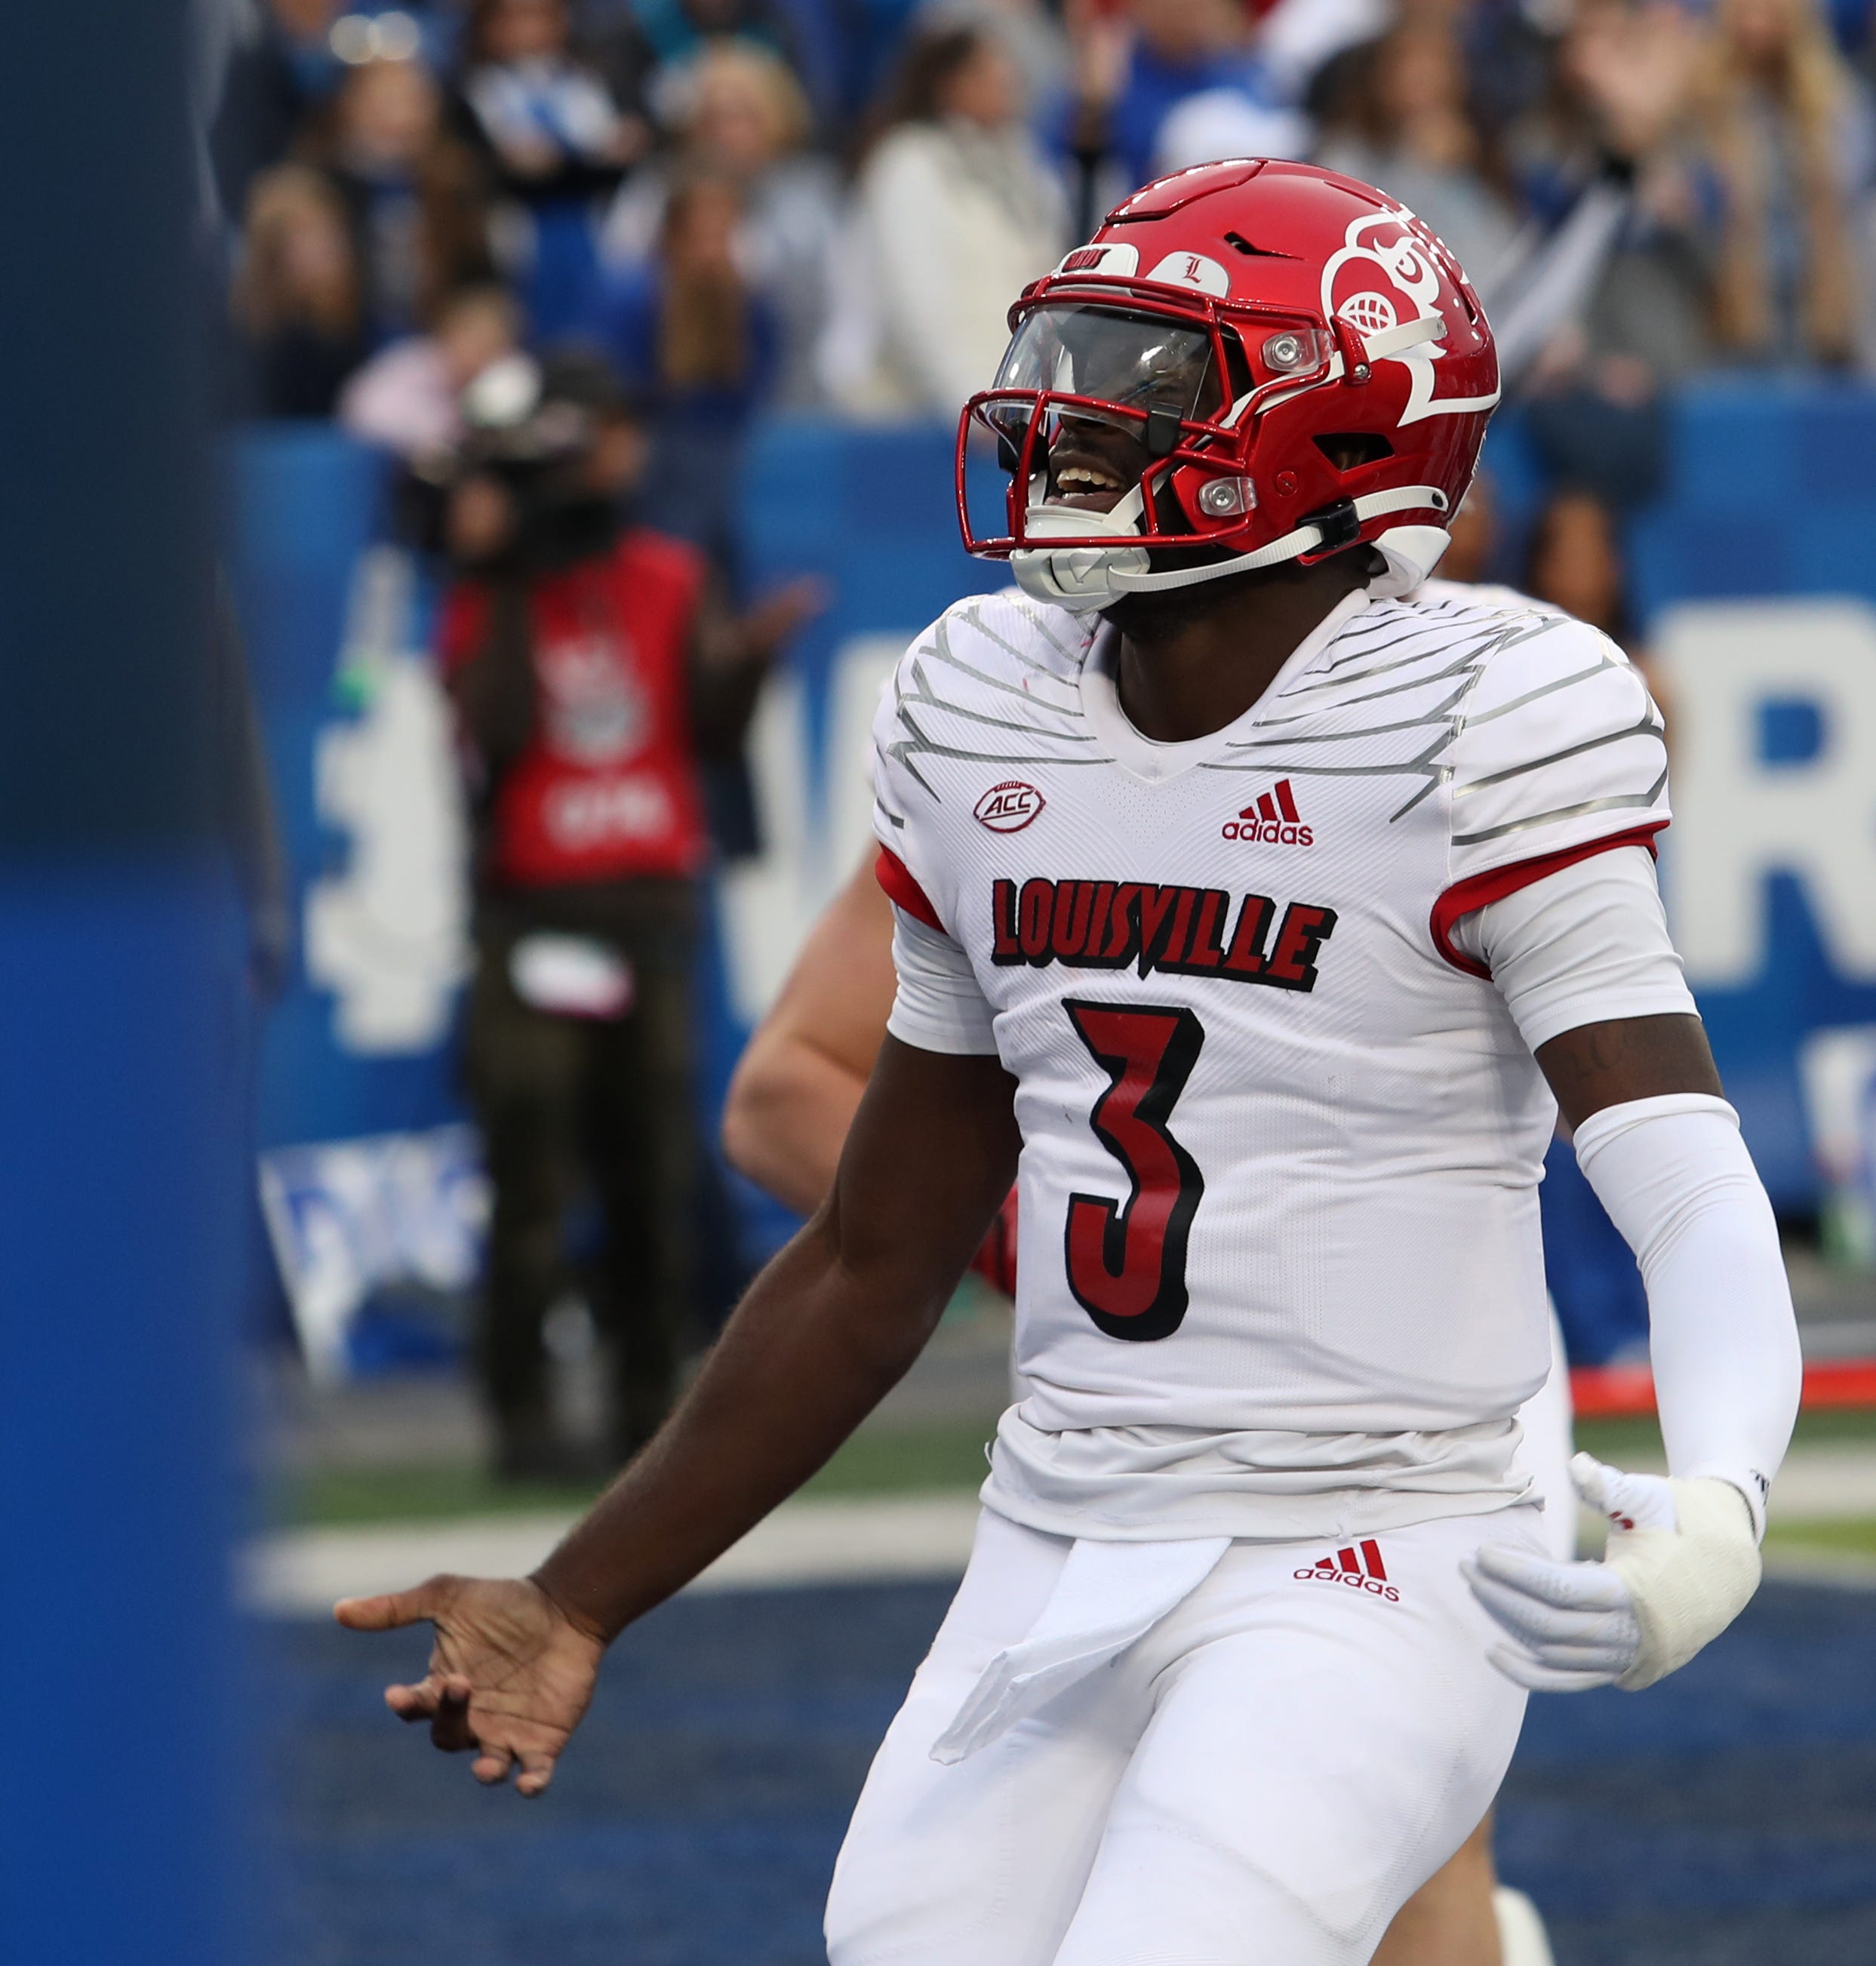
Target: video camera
(534,426)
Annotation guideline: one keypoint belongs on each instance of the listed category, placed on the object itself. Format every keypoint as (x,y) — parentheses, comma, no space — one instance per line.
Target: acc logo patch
(1008,807)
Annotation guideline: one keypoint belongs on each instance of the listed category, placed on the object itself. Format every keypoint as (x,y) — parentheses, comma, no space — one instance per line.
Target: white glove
(1682,1562)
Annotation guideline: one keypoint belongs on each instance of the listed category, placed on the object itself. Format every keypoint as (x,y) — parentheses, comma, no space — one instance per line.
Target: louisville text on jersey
(1178,931)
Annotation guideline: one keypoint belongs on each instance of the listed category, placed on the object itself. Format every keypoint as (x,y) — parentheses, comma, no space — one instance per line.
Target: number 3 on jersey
(1127,1260)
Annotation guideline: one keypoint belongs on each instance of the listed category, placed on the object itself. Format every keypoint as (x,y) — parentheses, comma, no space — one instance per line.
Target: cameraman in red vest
(592,667)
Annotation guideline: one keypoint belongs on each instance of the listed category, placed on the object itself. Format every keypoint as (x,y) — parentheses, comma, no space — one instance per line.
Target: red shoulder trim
(1463,896)
(896,878)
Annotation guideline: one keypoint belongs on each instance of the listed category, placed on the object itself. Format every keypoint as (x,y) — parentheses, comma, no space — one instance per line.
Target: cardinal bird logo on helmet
(1395,248)
(1250,363)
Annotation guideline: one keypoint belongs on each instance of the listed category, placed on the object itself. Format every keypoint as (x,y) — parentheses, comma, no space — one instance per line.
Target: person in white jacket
(954,210)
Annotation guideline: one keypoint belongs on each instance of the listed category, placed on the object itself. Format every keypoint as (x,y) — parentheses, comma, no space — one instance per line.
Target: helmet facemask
(1127,427)
(1130,428)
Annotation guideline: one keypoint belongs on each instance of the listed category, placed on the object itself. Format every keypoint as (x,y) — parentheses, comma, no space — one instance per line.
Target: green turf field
(1856,1536)
(1612,1440)
(891,1460)
(877,1461)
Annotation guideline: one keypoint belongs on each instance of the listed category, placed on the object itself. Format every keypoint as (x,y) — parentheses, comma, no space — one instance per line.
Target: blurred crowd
(829,205)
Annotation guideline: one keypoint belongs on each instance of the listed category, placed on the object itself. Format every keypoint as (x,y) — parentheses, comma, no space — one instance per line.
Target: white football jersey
(1282,1140)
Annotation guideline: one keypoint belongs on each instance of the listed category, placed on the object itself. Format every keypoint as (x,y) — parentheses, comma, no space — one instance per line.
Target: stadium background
(331,1444)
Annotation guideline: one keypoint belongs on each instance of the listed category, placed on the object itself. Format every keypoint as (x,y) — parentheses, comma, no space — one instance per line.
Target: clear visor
(1140,362)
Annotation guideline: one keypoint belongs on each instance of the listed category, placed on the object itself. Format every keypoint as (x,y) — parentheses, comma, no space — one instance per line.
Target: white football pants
(1263,1779)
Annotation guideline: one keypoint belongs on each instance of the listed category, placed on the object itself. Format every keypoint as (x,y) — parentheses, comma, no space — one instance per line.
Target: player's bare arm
(799,1081)
(1597,1066)
(829,1327)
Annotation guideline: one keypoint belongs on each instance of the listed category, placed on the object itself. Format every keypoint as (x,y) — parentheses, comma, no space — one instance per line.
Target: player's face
(1138,362)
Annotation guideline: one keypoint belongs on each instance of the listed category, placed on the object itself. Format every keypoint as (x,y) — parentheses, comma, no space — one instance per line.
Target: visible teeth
(1074,476)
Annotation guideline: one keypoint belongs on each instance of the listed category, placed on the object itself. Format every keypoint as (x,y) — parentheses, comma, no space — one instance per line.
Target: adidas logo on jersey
(1272,821)
(1358,1568)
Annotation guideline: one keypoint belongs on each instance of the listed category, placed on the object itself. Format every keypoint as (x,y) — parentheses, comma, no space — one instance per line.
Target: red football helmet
(1259,360)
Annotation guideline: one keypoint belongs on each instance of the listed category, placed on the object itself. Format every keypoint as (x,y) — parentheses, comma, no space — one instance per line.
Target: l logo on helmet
(1193,270)
(1009,807)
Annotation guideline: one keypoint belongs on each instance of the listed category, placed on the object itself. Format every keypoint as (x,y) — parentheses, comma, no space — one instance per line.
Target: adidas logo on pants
(1359,1567)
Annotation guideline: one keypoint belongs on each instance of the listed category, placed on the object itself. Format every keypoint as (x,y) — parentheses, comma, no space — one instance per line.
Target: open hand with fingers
(510,1674)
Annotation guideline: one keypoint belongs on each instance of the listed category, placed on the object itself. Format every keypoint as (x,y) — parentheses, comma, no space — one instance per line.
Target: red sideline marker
(1627,1392)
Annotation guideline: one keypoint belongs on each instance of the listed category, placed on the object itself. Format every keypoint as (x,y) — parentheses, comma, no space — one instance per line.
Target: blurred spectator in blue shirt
(686,336)
(1617,111)
(270,64)
(416,199)
(677,31)
(300,30)
(955,211)
(740,114)
(556,141)
(679,28)
(1786,128)
(1135,62)
(547,118)
(267,66)
(296,295)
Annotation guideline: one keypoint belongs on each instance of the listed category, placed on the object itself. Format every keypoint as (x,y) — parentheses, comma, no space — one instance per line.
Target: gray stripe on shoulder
(1649,726)
(1616,802)
(939,649)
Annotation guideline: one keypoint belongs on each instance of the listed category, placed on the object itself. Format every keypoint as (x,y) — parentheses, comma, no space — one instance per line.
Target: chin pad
(1080,578)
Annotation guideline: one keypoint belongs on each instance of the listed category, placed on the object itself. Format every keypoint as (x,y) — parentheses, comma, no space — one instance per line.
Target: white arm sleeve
(938,1005)
(1582,945)
(1678,1182)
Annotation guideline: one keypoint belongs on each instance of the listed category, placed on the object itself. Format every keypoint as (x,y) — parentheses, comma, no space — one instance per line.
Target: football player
(1256,921)
(792,1098)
